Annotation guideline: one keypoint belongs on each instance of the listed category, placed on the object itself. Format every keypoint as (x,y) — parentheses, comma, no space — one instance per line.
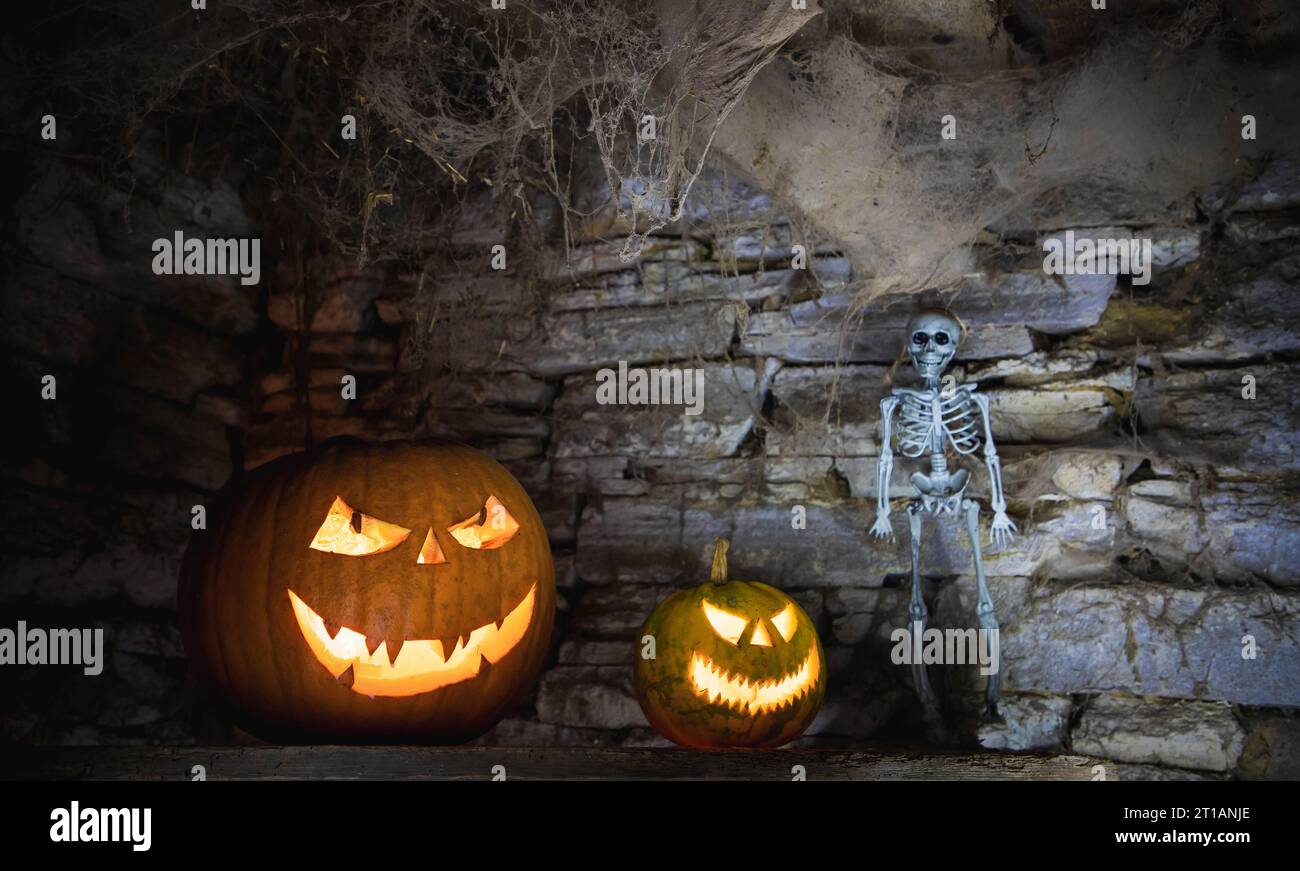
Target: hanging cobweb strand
(686,86)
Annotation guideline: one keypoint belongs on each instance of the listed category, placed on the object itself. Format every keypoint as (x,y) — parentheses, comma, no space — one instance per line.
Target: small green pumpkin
(732,664)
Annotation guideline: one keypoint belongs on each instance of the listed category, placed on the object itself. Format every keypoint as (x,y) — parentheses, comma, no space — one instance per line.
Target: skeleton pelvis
(940,485)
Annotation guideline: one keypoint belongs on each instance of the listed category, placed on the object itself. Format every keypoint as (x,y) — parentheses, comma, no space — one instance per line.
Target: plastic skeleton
(931,419)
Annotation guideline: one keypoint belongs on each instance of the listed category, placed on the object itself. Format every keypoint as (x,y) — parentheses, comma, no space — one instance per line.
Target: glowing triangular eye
(760,638)
(728,626)
(352,533)
(786,622)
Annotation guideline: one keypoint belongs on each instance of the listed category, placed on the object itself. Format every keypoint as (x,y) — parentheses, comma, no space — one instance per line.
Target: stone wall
(1157,504)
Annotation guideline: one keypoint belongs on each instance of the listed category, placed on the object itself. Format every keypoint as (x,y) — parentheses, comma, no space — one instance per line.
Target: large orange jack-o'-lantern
(736,664)
(388,592)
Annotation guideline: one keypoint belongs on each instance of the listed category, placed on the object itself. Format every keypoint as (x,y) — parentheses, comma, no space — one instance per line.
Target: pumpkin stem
(718,574)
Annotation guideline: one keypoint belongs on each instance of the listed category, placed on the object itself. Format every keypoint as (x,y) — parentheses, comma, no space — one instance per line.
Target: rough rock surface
(1151,590)
(1176,734)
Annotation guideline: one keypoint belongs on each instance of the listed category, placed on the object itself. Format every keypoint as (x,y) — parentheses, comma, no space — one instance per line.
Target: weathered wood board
(485,763)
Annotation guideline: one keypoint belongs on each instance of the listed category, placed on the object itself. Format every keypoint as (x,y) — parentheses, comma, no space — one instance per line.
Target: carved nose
(431,552)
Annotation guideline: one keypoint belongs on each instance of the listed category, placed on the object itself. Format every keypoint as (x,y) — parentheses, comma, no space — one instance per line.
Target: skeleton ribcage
(927,421)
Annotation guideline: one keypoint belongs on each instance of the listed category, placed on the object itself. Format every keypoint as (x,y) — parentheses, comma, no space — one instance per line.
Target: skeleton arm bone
(884,468)
(1002,529)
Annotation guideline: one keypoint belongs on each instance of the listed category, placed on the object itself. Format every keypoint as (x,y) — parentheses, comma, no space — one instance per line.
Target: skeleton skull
(932,341)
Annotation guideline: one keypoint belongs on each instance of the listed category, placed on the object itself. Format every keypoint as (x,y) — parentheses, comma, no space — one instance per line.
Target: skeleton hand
(1002,530)
(882,528)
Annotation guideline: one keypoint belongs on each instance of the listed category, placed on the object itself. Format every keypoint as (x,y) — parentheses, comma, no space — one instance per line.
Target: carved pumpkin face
(399,591)
(736,664)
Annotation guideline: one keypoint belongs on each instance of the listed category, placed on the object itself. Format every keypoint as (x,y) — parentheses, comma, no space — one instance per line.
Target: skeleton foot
(989,624)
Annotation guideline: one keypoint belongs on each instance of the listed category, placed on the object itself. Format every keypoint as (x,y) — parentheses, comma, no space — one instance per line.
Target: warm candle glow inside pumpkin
(753,697)
(431,552)
(497,528)
(420,666)
(786,622)
(728,626)
(350,532)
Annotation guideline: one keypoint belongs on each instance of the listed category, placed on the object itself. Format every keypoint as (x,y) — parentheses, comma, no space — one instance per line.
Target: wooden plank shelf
(335,762)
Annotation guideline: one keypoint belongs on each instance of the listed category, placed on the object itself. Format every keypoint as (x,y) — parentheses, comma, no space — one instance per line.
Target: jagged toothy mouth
(723,688)
(416,666)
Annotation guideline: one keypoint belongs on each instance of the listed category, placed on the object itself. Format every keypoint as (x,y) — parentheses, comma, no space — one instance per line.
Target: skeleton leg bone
(984,604)
(916,611)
